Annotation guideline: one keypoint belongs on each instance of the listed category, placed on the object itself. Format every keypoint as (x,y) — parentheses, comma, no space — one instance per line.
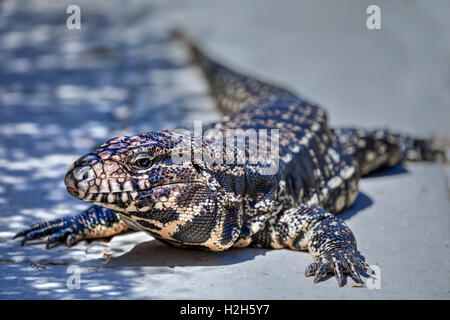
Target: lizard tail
(196,54)
(231,90)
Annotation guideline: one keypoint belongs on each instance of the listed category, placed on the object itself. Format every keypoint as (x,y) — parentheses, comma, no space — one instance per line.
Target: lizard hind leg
(376,149)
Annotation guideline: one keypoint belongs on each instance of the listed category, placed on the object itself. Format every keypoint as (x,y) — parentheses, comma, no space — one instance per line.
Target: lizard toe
(339,262)
(58,237)
(40,230)
(311,269)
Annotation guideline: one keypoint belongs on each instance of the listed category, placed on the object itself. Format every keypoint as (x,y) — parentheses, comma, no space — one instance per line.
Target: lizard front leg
(94,222)
(326,237)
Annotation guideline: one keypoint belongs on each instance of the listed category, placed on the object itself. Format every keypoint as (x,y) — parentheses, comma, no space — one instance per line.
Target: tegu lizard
(286,200)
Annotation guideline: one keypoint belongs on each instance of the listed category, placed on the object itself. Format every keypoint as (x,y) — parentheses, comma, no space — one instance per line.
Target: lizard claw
(55,231)
(338,262)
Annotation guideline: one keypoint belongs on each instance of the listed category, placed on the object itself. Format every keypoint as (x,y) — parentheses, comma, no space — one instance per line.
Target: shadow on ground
(156,254)
(386,172)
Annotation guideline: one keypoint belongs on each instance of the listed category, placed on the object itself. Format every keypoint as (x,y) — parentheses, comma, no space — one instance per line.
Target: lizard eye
(141,161)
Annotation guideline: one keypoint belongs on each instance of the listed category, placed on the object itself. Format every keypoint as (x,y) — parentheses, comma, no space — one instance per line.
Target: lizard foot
(95,222)
(56,231)
(338,261)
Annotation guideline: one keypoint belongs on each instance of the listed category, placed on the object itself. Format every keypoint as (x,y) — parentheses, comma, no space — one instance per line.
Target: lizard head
(152,180)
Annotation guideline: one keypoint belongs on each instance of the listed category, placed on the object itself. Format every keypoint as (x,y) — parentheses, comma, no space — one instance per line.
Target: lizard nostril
(85,173)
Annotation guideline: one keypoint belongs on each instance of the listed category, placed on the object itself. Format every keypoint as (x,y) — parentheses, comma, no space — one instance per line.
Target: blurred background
(62,91)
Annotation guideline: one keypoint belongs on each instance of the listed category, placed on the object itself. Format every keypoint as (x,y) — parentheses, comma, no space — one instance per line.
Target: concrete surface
(63,91)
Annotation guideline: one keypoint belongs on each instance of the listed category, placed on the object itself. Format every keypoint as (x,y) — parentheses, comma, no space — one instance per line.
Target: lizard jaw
(157,197)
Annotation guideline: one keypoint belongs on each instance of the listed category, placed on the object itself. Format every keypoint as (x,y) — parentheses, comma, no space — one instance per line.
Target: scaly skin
(135,182)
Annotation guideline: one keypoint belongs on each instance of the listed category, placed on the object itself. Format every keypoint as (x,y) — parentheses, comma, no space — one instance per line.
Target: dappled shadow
(31,272)
(62,92)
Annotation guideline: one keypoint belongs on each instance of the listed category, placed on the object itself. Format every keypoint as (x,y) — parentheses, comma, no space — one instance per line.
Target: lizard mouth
(72,191)
(124,198)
